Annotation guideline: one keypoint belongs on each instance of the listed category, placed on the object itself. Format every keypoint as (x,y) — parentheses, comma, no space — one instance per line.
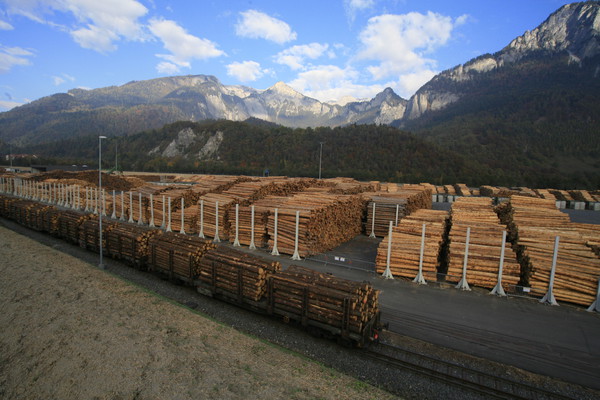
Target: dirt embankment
(71,331)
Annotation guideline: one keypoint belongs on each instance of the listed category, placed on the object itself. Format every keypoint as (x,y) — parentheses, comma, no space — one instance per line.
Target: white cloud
(409,83)
(60,79)
(257,25)
(399,42)
(245,71)
(12,56)
(167,68)
(354,6)
(294,56)
(6,105)
(183,46)
(5,26)
(99,24)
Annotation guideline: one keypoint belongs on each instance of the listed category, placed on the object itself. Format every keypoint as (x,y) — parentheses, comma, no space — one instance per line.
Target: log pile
(534,224)
(351,186)
(129,242)
(545,194)
(485,245)
(326,220)
(406,245)
(305,294)
(212,220)
(591,235)
(89,233)
(68,223)
(262,210)
(236,274)
(176,254)
(394,206)
(581,195)
(462,189)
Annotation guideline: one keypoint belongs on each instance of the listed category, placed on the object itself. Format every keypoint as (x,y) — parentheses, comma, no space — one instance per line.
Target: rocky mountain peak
(283,89)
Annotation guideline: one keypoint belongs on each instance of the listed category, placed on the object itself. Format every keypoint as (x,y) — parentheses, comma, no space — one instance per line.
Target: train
(321,304)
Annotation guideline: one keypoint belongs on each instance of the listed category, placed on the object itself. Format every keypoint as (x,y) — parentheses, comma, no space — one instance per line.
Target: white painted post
(103,194)
(182,229)
(122,218)
(216,239)
(236,241)
(296,255)
(463,284)
(397,214)
(140,215)
(130,220)
(151,211)
(201,233)
(164,214)
(372,235)
(87,199)
(96,201)
(595,306)
(420,279)
(498,289)
(169,216)
(549,296)
(275,251)
(114,206)
(252,244)
(387,274)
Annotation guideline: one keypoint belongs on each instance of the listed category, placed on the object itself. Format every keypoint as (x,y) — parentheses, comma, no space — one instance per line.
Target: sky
(331,50)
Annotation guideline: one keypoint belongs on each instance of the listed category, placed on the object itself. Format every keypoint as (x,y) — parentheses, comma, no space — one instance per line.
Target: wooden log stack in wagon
(304,294)
(176,255)
(484,245)
(406,245)
(534,225)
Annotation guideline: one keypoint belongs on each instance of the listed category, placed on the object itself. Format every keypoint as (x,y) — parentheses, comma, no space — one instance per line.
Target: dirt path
(71,331)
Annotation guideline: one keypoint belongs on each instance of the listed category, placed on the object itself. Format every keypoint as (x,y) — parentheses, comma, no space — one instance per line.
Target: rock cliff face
(574,29)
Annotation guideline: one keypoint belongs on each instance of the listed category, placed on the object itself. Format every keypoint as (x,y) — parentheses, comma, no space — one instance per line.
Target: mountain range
(533,106)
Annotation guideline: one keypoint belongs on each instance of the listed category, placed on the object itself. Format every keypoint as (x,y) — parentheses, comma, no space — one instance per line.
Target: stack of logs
(325,221)
(306,294)
(394,206)
(485,245)
(406,245)
(89,233)
(177,255)
(235,274)
(129,242)
(262,210)
(533,225)
(68,223)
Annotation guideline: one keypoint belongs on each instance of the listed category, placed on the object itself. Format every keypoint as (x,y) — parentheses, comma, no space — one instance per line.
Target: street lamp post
(320,157)
(101,265)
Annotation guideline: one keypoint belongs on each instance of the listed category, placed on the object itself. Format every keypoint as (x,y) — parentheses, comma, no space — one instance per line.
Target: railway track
(462,377)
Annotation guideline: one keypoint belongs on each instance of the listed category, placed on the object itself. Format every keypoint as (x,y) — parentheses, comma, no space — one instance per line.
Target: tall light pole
(101,265)
(320,157)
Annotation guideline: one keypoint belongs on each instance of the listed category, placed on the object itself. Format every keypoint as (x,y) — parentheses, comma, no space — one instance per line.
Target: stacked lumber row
(351,186)
(68,223)
(325,221)
(129,242)
(176,254)
(462,189)
(213,220)
(263,209)
(89,233)
(485,244)
(545,194)
(534,224)
(582,195)
(254,190)
(406,245)
(394,206)
(306,294)
(449,189)
(591,235)
(491,191)
(235,274)
(561,195)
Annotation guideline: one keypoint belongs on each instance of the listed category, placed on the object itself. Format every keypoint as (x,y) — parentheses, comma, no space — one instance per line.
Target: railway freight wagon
(320,303)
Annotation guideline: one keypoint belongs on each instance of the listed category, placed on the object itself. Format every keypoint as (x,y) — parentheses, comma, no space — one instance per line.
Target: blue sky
(326,49)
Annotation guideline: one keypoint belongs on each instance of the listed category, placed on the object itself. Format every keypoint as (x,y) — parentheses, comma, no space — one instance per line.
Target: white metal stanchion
(372,235)
(216,239)
(252,244)
(397,214)
(296,255)
(275,251)
(387,274)
(103,194)
(549,296)
(182,229)
(420,279)
(114,206)
(96,201)
(122,217)
(140,215)
(236,241)
(201,233)
(463,284)
(151,211)
(130,220)
(498,289)
(169,216)
(164,214)
(595,306)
